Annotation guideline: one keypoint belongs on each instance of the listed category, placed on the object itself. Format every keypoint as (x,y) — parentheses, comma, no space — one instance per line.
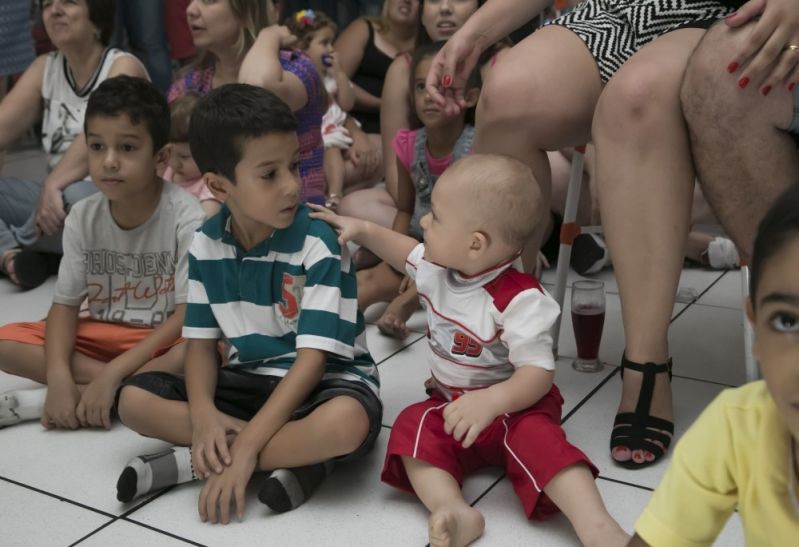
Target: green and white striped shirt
(296,289)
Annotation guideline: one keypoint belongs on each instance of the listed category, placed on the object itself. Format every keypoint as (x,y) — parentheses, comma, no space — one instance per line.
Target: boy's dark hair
(181,110)
(102,14)
(229,115)
(428,51)
(135,97)
(778,227)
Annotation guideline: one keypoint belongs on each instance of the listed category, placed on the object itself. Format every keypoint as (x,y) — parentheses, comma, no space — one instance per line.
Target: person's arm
(389,245)
(20,109)
(59,345)
(345,91)
(405,199)
(394,115)
(350,46)
(74,164)
(261,67)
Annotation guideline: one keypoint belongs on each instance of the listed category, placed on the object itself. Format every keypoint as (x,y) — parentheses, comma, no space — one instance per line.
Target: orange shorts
(96,339)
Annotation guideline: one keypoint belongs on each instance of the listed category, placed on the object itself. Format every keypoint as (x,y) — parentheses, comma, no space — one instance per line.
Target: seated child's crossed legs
(340,420)
(547,473)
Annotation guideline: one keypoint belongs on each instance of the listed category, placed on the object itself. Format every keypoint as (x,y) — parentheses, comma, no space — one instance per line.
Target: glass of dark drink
(588,318)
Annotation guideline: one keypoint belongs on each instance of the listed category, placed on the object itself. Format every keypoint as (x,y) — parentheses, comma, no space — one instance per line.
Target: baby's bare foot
(455,526)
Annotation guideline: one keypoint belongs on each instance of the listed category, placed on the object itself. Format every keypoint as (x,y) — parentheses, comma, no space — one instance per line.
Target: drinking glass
(588,318)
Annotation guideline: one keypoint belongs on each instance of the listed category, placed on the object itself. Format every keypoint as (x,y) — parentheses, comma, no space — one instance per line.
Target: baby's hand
(348,228)
(466,417)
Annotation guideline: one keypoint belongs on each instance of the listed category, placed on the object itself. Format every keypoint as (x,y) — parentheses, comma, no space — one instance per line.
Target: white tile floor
(58,488)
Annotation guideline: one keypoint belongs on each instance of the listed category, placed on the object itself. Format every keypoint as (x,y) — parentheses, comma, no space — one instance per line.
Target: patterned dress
(614,30)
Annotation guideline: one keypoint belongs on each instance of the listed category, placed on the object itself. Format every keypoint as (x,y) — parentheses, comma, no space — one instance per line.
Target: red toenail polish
(791,86)
(732,67)
(766,90)
(446,81)
(743,82)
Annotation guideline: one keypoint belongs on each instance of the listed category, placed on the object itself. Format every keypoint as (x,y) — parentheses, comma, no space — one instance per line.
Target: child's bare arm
(345,94)
(95,404)
(59,345)
(389,245)
(405,198)
(261,67)
(466,417)
(303,376)
(209,426)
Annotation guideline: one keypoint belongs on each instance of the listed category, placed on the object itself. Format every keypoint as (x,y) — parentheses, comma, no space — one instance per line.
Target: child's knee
(346,420)
(130,402)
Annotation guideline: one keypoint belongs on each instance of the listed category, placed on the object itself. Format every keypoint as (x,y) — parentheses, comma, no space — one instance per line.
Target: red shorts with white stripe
(530,444)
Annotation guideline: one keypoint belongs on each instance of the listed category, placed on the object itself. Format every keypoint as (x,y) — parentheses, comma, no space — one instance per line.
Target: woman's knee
(515,94)
(636,104)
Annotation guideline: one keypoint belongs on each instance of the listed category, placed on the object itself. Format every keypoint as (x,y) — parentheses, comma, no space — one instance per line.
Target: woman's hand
(50,212)
(766,56)
(450,70)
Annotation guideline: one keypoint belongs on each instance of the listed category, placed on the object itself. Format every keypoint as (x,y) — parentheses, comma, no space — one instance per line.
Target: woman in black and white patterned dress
(611,69)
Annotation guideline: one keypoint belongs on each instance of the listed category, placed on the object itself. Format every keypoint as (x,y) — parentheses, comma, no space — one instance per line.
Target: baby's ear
(163,155)
(479,244)
(219,185)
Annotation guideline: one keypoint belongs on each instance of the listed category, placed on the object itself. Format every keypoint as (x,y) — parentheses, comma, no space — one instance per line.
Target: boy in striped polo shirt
(492,399)
(300,389)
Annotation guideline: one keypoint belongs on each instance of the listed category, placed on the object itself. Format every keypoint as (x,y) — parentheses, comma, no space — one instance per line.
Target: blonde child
(742,453)
(315,34)
(422,156)
(492,398)
(182,169)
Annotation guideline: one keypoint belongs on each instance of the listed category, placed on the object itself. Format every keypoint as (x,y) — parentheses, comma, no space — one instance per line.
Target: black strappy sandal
(636,430)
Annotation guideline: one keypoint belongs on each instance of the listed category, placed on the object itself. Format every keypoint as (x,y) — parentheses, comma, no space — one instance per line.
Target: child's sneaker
(722,254)
(589,254)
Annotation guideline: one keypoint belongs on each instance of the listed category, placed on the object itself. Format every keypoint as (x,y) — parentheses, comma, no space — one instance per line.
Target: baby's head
(315,33)
(244,141)
(773,305)
(180,159)
(485,207)
(424,109)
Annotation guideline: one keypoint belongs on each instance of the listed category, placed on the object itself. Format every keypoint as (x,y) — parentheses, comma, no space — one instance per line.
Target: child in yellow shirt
(742,450)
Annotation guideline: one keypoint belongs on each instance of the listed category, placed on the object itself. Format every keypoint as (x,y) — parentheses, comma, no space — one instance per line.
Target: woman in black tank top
(366,49)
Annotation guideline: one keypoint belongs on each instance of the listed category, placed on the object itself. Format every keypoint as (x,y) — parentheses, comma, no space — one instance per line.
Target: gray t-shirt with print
(137,276)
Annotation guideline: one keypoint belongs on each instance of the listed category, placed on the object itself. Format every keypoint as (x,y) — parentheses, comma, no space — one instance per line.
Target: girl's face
(776,326)
(67,21)
(402,12)
(321,43)
(442,18)
(427,110)
(212,24)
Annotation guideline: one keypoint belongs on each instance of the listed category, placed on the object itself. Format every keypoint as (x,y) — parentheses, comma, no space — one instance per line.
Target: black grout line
(695,300)
(715,383)
(147,501)
(403,348)
(154,529)
(90,534)
(487,490)
(590,394)
(59,498)
(617,481)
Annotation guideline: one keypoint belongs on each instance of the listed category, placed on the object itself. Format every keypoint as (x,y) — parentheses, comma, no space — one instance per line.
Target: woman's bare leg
(646,177)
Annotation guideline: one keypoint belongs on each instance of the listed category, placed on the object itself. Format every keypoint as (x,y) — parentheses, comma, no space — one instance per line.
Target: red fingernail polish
(791,86)
(766,90)
(743,82)
(446,81)
(732,67)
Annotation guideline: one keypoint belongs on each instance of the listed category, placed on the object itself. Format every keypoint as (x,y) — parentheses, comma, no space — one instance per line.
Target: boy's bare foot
(455,526)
